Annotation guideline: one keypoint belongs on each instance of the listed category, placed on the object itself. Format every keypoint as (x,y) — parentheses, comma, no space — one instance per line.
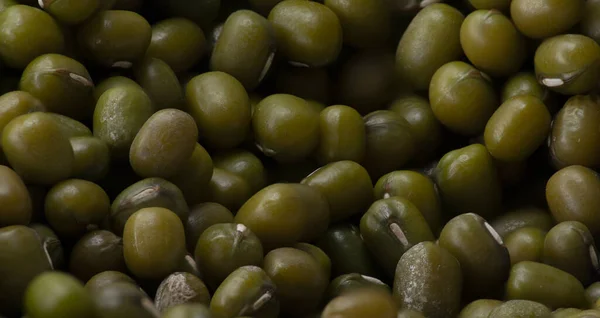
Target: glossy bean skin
(222,248)
(16,103)
(73,207)
(51,148)
(186,35)
(288,268)
(148,255)
(249,63)
(17,53)
(492,42)
(524,116)
(172,131)
(569,246)
(576,122)
(346,198)
(390,227)
(56,294)
(439,22)
(536,282)
(462,98)
(267,213)
(301,159)
(568,76)
(286,127)
(574,202)
(343,135)
(54,78)
(528,14)
(484,272)
(526,83)
(362,303)
(472,187)
(418,189)
(223,119)
(307,33)
(246,291)
(71,127)
(124,47)
(525,244)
